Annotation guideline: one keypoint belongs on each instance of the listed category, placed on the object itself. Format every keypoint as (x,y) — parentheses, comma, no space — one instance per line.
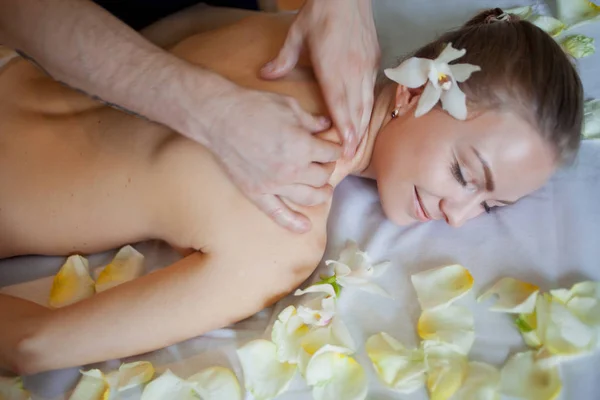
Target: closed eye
(457,173)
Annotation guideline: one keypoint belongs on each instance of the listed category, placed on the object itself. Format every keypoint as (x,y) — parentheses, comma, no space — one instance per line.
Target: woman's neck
(381,115)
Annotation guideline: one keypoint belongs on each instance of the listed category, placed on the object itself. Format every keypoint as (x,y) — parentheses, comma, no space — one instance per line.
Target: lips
(420,211)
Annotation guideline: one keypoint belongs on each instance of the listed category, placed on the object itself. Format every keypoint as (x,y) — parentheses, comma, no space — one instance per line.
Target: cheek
(396,199)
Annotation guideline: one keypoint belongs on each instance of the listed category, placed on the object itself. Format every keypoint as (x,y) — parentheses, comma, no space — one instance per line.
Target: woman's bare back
(79,177)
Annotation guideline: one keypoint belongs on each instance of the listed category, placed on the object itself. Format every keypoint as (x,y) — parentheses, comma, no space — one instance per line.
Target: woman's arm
(195,295)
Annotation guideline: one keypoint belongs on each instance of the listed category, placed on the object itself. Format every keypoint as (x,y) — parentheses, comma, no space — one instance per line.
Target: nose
(457,212)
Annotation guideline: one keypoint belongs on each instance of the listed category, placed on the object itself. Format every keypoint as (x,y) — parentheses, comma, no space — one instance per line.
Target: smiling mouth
(420,211)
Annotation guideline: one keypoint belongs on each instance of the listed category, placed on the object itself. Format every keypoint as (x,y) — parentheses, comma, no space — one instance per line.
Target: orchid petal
(91,386)
(550,25)
(265,377)
(577,12)
(335,375)
(216,383)
(127,265)
(363,285)
(524,378)
(454,102)
(482,383)
(521,12)
(446,370)
(287,333)
(339,269)
(12,388)
(411,73)
(441,286)
(72,283)
(449,54)
(169,386)
(320,288)
(429,98)
(462,72)
(514,296)
(400,369)
(380,269)
(453,325)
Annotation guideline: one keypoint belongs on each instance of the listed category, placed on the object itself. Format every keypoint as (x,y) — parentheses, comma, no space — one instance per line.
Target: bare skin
(71,182)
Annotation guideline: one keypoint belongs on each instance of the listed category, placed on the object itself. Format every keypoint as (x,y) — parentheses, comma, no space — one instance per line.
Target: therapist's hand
(342,42)
(266,143)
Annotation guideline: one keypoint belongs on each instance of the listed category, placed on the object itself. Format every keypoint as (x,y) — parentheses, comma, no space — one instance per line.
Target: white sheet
(550,238)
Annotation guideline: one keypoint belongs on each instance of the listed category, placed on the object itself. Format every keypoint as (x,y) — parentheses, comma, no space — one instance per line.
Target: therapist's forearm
(80,44)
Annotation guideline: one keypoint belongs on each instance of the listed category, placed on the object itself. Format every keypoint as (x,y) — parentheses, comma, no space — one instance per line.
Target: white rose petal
(216,383)
(524,378)
(550,25)
(127,265)
(333,374)
(287,334)
(265,377)
(72,283)
(169,386)
(577,12)
(91,386)
(441,286)
(446,370)
(12,388)
(453,325)
(401,369)
(521,12)
(482,383)
(514,296)
(131,375)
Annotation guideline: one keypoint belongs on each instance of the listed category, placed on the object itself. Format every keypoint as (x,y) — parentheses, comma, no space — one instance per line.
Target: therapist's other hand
(267,145)
(342,42)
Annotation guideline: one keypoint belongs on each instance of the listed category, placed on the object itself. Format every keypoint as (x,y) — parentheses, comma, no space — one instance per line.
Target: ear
(406,98)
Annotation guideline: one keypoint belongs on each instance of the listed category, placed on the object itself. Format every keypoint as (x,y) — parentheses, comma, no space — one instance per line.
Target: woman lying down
(79,177)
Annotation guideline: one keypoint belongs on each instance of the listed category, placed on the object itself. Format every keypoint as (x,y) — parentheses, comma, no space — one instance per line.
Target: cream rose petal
(91,386)
(521,12)
(441,286)
(564,333)
(513,296)
(131,375)
(401,369)
(287,334)
(550,25)
(524,378)
(169,386)
(12,389)
(453,325)
(446,369)
(577,12)
(333,374)
(216,383)
(412,73)
(127,265)
(482,383)
(591,122)
(264,376)
(72,283)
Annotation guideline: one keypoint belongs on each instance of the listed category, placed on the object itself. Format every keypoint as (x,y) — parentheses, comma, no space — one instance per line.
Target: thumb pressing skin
(287,58)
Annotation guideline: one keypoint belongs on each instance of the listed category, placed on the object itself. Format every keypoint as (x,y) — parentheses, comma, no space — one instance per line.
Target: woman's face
(436,167)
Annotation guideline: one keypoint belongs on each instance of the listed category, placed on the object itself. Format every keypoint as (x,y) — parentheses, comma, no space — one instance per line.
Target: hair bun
(491,16)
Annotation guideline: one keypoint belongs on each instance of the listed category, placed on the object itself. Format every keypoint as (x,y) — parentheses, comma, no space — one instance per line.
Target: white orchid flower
(440,80)
(12,388)
(95,385)
(514,296)
(446,369)
(333,374)
(440,287)
(265,376)
(453,325)
(72,283)
(523,377)
(401,369)
(591,121)
(482,383)
(354,268)
(577,12)
(579,46)
(127,265)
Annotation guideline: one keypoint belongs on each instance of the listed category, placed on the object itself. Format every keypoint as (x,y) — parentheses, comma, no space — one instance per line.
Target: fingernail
(268,67)
(302,226)
(325,122)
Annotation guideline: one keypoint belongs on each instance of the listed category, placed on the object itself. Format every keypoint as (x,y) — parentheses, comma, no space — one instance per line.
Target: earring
(395,113)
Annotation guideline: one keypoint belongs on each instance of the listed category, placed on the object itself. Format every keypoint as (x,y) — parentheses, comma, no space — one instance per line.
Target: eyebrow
(489,179)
